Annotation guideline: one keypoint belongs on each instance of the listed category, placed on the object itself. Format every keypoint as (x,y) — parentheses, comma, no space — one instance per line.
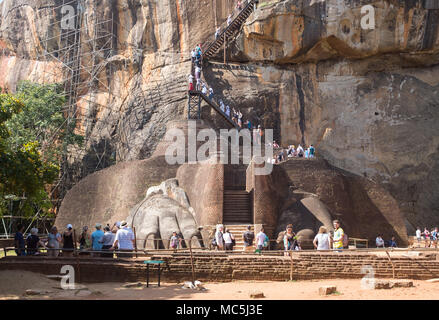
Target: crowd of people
(223,239)
(103,243)
(292,152)
(430,237)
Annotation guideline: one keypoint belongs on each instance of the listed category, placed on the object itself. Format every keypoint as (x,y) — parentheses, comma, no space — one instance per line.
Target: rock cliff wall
(368,99)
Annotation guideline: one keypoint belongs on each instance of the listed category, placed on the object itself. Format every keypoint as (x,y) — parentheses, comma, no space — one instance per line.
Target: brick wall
(228,268)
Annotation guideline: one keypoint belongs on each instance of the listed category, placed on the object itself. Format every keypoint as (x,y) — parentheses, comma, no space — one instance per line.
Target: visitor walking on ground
(418,235)
(434,236)
(426,234)
(124,241)
(379,242)
(107,242)
(54,240)
(321,240)
(312,151)
(33,242)
(96,237)
(20,249)
(300,151)
(67,240)
(228,240)
(248,236)
(290,240)
(219,239)
(84,239)
(337,239)
(261,239)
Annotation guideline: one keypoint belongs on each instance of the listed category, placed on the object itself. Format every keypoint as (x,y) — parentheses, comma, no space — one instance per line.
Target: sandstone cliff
(367,99)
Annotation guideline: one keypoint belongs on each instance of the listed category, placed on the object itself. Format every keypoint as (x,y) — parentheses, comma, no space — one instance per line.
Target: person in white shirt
(124,239)
(321,240)
(219,237)
(260,238)
(204,90)
(229,19)
(228,240)
(379,242)
(418,234)
(300,150)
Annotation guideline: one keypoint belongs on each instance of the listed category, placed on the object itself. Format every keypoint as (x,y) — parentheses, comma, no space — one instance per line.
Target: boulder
(326,290)
(257,295)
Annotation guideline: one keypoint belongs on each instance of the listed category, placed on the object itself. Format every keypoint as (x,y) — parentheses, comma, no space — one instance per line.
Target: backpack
(345,240)
(249,237)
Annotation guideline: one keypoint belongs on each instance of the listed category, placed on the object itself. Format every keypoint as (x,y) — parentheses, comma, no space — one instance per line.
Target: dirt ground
(13,285)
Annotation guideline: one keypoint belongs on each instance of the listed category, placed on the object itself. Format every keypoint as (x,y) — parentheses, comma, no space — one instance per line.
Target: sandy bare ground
(13,285)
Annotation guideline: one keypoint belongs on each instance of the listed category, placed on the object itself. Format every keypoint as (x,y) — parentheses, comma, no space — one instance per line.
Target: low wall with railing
(220,266)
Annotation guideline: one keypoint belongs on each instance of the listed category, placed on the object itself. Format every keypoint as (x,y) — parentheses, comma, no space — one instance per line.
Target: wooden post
(393,266)
(192,261)
(135,240)
(291,270)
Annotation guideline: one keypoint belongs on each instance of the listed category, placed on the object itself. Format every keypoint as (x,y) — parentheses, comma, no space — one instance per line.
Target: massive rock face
(367,99)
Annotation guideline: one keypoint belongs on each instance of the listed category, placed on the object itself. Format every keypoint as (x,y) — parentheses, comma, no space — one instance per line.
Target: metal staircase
(195,96)
(231,30)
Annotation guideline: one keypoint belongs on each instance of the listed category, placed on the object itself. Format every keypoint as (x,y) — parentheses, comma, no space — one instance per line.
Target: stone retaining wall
(228,268)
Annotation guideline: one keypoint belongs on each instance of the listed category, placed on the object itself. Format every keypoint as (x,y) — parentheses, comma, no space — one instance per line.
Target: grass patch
(10,253)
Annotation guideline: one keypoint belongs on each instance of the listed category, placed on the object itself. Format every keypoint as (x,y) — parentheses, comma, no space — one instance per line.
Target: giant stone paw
(164,210)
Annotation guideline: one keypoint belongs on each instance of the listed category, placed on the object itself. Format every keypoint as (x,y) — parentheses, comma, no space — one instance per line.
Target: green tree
(33,136)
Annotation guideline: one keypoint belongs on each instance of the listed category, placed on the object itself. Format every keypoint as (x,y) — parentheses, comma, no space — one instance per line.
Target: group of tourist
(225,240)
(101,242)
(292,152)
(430,237)
(380,243)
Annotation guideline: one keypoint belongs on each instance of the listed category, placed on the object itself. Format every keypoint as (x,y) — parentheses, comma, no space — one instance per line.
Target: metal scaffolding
(78,44)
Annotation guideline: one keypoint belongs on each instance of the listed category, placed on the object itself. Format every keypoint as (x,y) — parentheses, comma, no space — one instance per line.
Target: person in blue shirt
(19,241)
(312,151)
(96,237)
(392,243)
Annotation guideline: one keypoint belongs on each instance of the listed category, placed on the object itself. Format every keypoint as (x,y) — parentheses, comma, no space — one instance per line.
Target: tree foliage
(33,136)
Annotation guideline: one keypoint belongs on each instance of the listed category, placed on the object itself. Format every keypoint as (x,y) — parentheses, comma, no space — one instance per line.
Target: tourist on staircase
(229,19)
(191,82)
(229,240)
(248,237)
(210,94)
(261,240)
(219,240)
(222,106)
(217,32)
(204,89)
(228,111)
